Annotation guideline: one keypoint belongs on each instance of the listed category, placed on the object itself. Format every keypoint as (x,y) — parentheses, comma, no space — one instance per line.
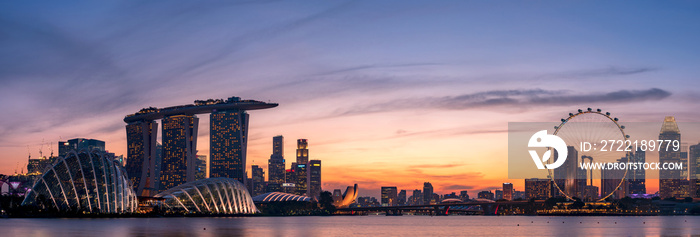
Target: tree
(325,201)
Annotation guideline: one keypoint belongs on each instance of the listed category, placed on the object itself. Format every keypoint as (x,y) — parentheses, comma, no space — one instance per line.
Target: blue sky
(365,81)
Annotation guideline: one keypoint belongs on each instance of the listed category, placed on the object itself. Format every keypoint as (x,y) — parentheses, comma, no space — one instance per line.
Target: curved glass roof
(90,182)
(279,197)
(213,195)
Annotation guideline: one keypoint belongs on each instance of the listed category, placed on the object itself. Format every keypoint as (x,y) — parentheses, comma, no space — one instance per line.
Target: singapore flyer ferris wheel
(587,134)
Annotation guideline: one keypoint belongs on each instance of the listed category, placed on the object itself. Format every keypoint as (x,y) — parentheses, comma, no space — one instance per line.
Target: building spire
(669,125)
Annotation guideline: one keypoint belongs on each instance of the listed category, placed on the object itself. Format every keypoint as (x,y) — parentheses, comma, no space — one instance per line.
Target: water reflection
(358,225)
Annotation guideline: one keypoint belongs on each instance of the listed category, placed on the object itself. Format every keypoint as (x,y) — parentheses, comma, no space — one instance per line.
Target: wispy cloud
(510,98)
(605,72)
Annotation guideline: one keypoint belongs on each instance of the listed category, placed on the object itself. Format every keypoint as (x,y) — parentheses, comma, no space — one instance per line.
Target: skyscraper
(694,170)
(637,177)
(508,191)
(401,198)
(464,195)
(566,176)
(669,180)
(179,150)
(417,197)
(275,165)
(314,170)
(78,144)
(427,193)
(389,196)
(613,182)
(289,186)
(301,169)
(201,167)
(258,180)
(538,188)
(229,139)
(142,165)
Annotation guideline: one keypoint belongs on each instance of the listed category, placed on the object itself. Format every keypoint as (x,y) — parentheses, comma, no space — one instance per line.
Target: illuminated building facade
(416,198)
(301,167)
(201,167)
(289,186)
(567,175)
(79,143)
(538,188)
(228,142)
(486,195)
(508,191)
(669,180)
(694,170)
(179,150)
(389,195)
(427,193)
(258,180)
(275,166)
(143,159)
(229,139)
(314,170)
(401,198)
(637,177)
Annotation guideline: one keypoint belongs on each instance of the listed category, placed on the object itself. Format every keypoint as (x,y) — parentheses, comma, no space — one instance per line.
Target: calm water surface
(359,226)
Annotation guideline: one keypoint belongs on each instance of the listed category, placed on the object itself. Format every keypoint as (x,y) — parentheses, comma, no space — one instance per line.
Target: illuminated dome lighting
(209,196)
(91,182)
(279,197)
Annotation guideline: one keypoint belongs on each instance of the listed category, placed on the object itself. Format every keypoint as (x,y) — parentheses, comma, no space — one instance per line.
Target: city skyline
(421,94)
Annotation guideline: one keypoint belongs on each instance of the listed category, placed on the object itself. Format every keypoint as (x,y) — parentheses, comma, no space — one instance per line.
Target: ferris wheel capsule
(623,127)
(580,111)
(627,136)
(615,119)
(607,113)
(599,110)
(589,109)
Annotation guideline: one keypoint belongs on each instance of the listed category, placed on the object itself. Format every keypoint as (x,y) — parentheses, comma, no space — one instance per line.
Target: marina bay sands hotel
(151,171)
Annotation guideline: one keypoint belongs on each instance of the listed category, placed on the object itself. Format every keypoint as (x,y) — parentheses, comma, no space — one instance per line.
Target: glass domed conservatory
(209,196)
(91,182)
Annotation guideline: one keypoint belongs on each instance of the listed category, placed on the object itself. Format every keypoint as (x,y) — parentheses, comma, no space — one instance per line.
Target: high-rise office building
(201,167)
(694,170)
(613,182)
(508,191)
(289,186)
(228,140)
(179,150)
(301,168)
(258,180)
(427,193)
(314,170)
(417,197)
(567,175)
(275,165)
(486,195)
(142,165)
(401,198)
(228,144)
(464,195)
(637,177)
(498,194)
(538,188)
(389,195)
(669,180)
(79,144)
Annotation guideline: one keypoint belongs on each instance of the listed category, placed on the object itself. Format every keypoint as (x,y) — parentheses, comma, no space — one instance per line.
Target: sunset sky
(388,93)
